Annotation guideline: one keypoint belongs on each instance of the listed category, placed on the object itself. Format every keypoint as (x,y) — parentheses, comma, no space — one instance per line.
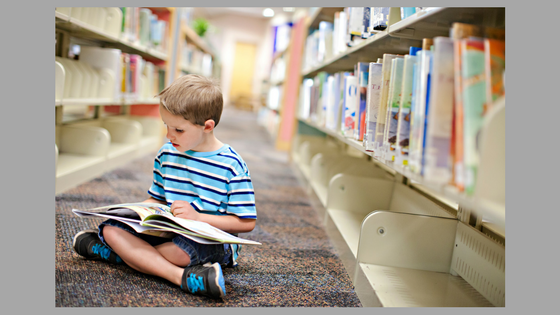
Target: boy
(201,179)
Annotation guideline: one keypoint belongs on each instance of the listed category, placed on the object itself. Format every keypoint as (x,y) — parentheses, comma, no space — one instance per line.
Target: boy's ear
(209,125)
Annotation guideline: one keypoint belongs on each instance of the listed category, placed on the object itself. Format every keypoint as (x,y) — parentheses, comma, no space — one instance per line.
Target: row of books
(195,60)
(422,111)
(134,24)
(349,28)
(141,25)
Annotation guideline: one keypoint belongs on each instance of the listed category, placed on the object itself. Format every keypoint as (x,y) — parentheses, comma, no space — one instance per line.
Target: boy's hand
(183,209)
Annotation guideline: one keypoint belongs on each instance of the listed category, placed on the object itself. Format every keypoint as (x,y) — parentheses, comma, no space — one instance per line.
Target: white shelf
(83,30)
(404,287)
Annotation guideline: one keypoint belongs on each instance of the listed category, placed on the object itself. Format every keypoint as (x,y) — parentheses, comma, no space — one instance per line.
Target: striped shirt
(216,182)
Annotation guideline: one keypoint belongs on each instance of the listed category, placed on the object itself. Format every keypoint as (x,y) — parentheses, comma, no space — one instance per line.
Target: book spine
(366,22)
(382,111)
(403,128)
(440,115)
(362,75)
(372,100)
(421,95)
(495,65)
(474,103)
(342,111)
(350,96)
(459,31)
(390,136)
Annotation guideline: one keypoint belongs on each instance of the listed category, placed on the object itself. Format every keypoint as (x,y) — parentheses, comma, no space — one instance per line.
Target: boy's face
(183,134)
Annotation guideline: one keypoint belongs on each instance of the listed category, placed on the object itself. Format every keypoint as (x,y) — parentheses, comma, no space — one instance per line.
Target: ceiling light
(289,9)
(268,12)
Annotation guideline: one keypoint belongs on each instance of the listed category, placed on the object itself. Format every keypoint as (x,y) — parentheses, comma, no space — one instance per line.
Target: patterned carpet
(297,265)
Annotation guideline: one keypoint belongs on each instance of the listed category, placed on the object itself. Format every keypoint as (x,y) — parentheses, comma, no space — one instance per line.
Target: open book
(157,219)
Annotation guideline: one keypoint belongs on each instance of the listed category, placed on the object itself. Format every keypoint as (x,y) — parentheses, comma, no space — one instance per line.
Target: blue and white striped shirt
(216,182)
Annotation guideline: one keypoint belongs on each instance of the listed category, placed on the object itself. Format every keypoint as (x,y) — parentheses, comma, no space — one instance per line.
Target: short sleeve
(241,197)
(156,190)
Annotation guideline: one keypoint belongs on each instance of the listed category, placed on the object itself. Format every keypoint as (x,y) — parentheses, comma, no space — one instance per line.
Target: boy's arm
(228,223)
(154,200)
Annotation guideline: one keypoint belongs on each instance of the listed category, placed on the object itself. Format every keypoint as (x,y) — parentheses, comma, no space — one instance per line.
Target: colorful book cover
(382,111)
(495,65)
(437,166)
(459,31)
(372,101)
(361,70)
(403,127)
(323,99)
(474,102)
(393,105)
(350,100)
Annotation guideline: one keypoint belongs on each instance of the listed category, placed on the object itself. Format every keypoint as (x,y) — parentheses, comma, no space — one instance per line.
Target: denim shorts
(198,253)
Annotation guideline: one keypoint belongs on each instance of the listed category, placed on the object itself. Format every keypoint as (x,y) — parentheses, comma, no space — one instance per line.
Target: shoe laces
(195,283)
(101,250)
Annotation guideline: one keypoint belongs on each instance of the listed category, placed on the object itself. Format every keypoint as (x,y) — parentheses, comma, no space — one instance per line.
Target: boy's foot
(206,280)
(87,244)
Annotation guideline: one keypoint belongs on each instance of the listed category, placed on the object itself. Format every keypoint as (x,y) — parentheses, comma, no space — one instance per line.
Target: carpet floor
(296,265)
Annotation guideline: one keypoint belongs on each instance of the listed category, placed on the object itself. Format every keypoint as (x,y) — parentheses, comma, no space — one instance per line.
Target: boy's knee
(111,233)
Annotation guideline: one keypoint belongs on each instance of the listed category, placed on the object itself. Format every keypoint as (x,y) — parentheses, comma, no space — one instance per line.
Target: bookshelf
(408,241)
(109,128)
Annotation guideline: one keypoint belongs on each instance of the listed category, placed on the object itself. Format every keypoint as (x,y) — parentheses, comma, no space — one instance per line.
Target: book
(330,113)
(459,31)
(403,127)
(438,132)
(421,94)
(495,65)
(350,100)
(340,126)
(474,105)
(156,219)
(379,18)
(393,105)
(361,71)
(372,101)
(382,111)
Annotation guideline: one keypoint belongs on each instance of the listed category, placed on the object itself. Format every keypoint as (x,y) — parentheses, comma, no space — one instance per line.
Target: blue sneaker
(206,280)
(88,245)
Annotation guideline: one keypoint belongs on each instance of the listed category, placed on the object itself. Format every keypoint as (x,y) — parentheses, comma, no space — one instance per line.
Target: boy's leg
(143,257)
(163,261)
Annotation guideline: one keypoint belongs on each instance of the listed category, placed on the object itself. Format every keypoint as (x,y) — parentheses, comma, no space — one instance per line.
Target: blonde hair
(195,98)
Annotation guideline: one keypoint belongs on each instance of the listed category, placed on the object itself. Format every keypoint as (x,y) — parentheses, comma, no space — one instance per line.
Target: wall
(233,28)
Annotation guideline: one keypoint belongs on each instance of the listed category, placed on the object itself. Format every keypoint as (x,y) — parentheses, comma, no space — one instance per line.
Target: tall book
(330,102)
(459,31)
(495,65)
(361,71)
(350,100)
(392,117)
(403,127)
(382,111)
(342,109)
(365,22)
(474,103)
(375,76)
(437,166)
(421,103)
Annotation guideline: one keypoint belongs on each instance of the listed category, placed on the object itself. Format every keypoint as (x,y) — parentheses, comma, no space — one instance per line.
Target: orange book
(495,64)
(459,31)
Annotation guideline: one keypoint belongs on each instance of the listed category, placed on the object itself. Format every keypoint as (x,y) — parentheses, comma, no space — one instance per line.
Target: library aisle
(296,265)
